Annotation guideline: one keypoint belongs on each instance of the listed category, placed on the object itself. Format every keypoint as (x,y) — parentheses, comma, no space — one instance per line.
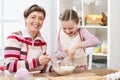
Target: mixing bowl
(63,70)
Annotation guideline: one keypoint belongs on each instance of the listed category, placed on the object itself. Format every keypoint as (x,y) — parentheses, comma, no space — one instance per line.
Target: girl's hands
(44,59)
(70,52)
(73,49)
(65,53)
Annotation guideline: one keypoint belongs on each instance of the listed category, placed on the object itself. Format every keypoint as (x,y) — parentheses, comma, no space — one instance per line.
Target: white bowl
(64,70)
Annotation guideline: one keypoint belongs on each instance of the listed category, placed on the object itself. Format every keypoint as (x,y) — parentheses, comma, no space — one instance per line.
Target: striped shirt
(21,51)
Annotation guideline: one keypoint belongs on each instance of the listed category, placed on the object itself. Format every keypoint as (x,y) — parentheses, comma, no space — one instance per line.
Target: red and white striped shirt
(22,51)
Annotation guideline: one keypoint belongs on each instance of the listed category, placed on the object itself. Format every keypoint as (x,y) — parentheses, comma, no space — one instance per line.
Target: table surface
(96,74)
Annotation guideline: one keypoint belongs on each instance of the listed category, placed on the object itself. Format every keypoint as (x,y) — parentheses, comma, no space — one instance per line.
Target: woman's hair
(69,14)
(34,8)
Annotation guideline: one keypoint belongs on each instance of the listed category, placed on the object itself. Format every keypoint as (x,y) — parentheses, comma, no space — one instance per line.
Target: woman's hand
(44,59)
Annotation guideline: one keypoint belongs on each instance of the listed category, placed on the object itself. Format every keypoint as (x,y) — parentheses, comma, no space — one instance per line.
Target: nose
(67,31)
(36,20)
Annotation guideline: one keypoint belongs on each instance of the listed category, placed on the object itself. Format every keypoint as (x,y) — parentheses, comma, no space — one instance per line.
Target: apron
(33,52)
(80,58)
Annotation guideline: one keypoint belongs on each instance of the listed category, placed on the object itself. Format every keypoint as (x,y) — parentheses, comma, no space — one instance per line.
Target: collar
(26,35)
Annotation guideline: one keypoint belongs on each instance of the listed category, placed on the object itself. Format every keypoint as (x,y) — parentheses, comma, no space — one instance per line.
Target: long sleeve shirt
(22,51)
(88,40)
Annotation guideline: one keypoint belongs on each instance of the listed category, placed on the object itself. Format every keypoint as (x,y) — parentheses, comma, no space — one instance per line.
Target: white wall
(54,21)
(13,20)
(115,35)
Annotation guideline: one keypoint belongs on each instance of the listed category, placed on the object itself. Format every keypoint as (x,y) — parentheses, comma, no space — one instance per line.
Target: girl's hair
(33,8)
(69,14)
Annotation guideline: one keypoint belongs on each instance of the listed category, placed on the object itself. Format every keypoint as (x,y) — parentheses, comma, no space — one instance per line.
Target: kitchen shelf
(99,54)
(95,27)
(90,7)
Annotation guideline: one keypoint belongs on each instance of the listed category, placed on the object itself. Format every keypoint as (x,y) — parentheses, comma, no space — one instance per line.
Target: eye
(40,18)
(64,28)
(33,17)
(70,28)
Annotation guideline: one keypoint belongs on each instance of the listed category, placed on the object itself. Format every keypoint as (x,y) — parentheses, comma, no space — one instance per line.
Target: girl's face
(69,27)
(34,21)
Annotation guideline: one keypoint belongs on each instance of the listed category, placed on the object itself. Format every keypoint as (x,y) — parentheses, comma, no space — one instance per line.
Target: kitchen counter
(97,74)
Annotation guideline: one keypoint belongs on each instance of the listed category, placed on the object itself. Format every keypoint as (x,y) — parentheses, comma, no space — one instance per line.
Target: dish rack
(113,76)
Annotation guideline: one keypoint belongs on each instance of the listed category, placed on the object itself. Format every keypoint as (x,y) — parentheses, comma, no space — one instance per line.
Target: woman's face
(69,27)
(34,21)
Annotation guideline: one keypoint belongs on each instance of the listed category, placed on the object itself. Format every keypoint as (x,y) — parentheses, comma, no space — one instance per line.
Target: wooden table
(97,74)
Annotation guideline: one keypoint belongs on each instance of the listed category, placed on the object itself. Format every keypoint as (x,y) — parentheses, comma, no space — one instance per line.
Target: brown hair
(69,14)
(33,8)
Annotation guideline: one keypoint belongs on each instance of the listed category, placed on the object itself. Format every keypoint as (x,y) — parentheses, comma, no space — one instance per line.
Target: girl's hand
(44,59)
(65,53)
(73,49)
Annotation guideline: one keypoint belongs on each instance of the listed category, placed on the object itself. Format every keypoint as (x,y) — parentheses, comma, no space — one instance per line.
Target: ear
(25,19)
(77,25)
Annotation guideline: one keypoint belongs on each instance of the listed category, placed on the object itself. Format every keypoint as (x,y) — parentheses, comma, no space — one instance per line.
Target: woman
(72,41)
(27,48)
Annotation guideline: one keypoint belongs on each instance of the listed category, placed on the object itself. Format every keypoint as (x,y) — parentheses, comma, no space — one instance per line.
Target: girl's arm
(89,39)
(59,53)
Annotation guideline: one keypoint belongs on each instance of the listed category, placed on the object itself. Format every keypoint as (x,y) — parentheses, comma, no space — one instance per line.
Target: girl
(72,40)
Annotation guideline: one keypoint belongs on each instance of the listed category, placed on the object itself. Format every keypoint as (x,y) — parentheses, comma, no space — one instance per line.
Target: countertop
(96,74)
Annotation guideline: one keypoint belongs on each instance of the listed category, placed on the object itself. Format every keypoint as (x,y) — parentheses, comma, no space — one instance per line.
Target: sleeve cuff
(38,63)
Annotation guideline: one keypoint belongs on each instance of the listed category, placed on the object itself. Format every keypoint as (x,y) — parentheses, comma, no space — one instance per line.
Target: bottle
(104,47)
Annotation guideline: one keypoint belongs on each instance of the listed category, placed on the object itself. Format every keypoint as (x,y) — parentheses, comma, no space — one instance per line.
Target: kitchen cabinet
(94,15)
